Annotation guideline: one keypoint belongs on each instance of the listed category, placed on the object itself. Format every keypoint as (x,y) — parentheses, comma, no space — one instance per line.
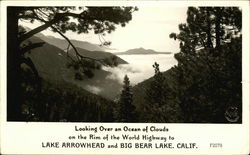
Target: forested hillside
(53,63)
(57,95)
(60,101)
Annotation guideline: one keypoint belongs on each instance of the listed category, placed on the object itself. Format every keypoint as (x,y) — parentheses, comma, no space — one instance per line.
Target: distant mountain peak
(140,50)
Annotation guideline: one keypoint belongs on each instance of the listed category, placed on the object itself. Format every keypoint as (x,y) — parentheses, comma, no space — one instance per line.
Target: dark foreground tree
(155,96)
(208,27)
(209,68)
(58,19)
(160,104)
(126,110)
(156,92)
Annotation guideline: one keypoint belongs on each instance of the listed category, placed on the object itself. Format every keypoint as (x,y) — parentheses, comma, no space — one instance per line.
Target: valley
(51,63)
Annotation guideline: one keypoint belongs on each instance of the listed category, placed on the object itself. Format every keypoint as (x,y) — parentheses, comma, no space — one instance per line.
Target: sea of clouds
(140,67)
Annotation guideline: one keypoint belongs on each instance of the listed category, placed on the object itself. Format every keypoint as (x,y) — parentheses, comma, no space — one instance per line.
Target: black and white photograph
(124,64)
(124,77)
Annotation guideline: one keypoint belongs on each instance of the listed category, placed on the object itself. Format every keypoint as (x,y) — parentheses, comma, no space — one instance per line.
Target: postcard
(124,77)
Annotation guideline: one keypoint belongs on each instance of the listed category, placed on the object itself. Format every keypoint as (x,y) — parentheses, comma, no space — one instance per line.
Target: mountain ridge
(98,55)
(51,63)
(62,43)
(141,51)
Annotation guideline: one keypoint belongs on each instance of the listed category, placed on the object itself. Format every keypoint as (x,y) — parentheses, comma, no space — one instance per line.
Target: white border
(26,138)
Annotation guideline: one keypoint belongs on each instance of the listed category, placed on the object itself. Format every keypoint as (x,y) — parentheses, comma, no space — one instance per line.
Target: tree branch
(50,24)
(72,45)
(30,47)
(36,30)
(47,24)
(29,62)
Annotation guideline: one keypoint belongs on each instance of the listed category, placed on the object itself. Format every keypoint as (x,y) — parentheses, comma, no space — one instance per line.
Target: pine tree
(161,105)
(156,91)
(126,112)
(208,27)
(208,73)
(156,96)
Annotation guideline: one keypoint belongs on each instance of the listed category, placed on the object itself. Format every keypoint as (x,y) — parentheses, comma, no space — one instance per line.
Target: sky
(149,28)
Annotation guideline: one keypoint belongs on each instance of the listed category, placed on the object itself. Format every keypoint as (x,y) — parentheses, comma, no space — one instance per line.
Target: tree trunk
(209,39)
(14,93)
(217,27)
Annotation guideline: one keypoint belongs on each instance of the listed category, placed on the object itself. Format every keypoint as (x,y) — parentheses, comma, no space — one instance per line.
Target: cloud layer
(93,89)
(140,67)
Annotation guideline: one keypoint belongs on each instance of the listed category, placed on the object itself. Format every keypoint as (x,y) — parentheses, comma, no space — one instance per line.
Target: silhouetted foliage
(160,105)
(209,65)
(126,110)
(208,27)
(111,61)
(157,92)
